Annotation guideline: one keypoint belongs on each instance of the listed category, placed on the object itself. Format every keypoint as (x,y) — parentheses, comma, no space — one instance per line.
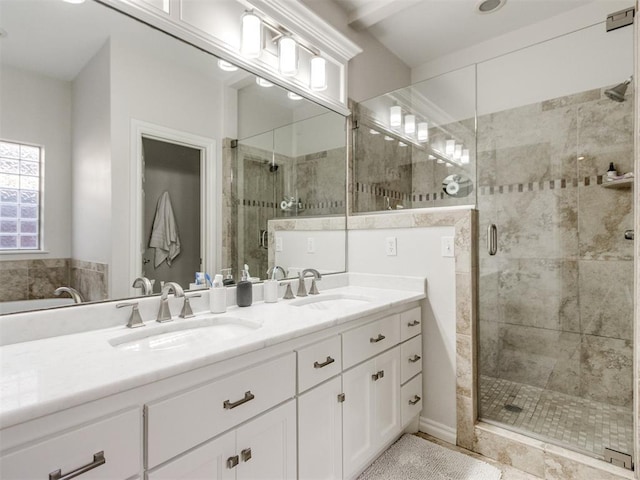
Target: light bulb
(388,138)
(450,147)
(457,152)
(395,116)
(402,144)
(409,124)
(263,83)
(423,132)
(318,74)
(465,156)
(251,45)
(294,96)
(226,66)
(374,132)
(287,56)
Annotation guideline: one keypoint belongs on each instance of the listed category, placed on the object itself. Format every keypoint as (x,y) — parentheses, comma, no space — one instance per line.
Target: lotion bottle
(244,289)
(218,296)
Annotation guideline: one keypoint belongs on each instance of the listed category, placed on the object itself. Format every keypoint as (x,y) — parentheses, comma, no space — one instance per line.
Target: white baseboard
(438,430)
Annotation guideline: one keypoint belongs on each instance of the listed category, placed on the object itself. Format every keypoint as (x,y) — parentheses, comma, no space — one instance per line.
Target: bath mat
(414,458)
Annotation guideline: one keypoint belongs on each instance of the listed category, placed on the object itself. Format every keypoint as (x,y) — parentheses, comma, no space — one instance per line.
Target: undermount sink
(332,301)
(181,333)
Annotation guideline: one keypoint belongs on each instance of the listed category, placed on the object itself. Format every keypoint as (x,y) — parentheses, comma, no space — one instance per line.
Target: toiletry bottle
(270,288)
(611,173)
(244,290)
(218,296)
(228,277)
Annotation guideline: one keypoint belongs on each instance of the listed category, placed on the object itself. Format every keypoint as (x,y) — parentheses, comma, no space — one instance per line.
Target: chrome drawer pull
(233,461)
(341,397)
(414,359)
(247,397)
(245,454)
(329,361)
(377,376)
(415,400)
(98,459)
(377,339)
(415,323)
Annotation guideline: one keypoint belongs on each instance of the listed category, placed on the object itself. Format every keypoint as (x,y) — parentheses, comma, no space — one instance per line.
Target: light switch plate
(448,249)
(391,246)
(311,245)
(278,244)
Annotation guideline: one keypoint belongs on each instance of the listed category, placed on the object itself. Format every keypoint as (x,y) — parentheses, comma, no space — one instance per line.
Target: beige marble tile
(47,275)
(464,302)
(466,415)
(575,99)
(464,366)
(14,278)
(557,467)
(92,285)
(488,345)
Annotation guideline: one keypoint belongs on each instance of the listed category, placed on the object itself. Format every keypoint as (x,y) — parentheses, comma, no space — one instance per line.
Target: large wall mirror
(114,136)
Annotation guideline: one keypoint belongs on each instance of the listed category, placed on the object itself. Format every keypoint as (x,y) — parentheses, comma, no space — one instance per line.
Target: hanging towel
(164,233)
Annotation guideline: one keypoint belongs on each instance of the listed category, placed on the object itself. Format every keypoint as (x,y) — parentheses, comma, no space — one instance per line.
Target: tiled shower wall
(555,308)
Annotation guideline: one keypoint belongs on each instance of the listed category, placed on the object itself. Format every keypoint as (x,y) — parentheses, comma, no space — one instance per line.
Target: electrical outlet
(311,245)
(448,249)
(278,244)
(391,246)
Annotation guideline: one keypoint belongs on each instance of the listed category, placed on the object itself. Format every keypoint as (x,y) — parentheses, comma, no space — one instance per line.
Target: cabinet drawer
(319,362)
(369,340)
(119,438)
(411,358)
(410,323)
(192,417)
(411,395)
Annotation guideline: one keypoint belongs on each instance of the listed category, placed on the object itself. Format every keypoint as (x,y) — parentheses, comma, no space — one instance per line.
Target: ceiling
(418,31)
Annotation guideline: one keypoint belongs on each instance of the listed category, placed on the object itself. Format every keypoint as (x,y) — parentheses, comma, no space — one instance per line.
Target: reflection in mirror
(457,185)
(124,114)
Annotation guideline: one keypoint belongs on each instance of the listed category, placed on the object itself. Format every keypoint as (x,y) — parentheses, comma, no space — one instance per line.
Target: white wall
(419,256)
(37,109)
(92,161)
(327,255)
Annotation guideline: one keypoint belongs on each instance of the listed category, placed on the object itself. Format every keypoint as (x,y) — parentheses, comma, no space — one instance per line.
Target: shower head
(273,167)
(617,93)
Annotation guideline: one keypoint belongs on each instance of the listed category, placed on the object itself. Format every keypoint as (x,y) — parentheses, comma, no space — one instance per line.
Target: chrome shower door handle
(629,235)
(492,239)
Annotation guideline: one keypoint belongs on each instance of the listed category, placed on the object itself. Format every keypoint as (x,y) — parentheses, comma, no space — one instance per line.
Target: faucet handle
(186,311)
(314,288)
(135,320)
(302,289)
(288,294)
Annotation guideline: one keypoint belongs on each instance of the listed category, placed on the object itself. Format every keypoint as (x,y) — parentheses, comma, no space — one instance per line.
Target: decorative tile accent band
(306,206)
(542,185)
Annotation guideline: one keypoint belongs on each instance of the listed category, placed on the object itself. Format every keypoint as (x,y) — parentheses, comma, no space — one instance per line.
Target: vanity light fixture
(395,116)
(263,83)
(374,132)
(294,96)
(226,66)
(402,144)
(287,56)
(450,147)
(75,2)
(423,132)
(410,124)
(388,138)
(465,156)
(318,74)
(457,152)
(251,44)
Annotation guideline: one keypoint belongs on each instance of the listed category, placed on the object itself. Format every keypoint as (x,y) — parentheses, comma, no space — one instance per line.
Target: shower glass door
(556,298)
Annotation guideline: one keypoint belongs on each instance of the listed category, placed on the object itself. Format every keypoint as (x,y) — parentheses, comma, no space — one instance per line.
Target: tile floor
(573,422)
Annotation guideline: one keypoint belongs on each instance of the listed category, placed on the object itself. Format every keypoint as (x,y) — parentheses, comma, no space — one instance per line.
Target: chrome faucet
(271,273)
(164,314)
(302,290)
(145,284)
(77,298)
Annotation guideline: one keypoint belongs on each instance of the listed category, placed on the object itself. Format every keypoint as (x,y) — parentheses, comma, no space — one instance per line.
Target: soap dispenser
(244,289)
(612,172)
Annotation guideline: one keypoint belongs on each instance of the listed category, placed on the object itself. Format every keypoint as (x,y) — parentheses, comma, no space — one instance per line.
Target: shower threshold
(579,424)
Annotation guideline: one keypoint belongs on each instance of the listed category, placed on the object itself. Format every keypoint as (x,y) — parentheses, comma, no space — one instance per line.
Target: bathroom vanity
(311,388)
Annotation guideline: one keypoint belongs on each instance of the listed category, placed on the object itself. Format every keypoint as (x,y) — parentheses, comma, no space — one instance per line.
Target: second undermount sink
(181,333)
(332,301)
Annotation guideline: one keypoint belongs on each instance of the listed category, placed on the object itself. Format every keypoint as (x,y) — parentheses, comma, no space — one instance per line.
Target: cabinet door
(387,421)
(208,462)
(358,416)
(320,432)
(266,446)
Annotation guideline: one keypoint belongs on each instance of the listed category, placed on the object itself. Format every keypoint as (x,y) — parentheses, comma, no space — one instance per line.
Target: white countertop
(43,376)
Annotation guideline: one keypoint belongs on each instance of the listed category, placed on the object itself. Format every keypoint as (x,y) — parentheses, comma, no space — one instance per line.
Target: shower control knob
(629,235)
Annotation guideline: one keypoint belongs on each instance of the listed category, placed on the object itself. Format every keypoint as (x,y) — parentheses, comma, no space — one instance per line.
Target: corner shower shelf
(622,183)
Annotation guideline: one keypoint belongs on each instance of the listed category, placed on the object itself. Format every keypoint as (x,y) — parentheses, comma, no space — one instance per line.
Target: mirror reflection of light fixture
(75,2)
(251,45)
(395,116)
(423,132)
(465,156)
(287,56)
(457,152)
(226,66)
(388,138)
(318,74)
(450,147)
(402,144)
(374,132)
(294,96)
(409,124)
(263,83)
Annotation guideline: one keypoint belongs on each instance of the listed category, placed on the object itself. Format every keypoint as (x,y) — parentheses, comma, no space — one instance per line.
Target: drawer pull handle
(379,338)
(247,397)
(98,459)
(377,376)
(329,361)
(415,323)
(414,359)
(245,454)
(415,400)
(341,397)
(232,462)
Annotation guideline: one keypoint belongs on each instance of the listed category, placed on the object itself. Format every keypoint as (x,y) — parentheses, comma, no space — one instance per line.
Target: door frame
(209,170)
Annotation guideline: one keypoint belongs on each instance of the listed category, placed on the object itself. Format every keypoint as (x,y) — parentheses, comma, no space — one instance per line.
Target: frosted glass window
(20,186)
